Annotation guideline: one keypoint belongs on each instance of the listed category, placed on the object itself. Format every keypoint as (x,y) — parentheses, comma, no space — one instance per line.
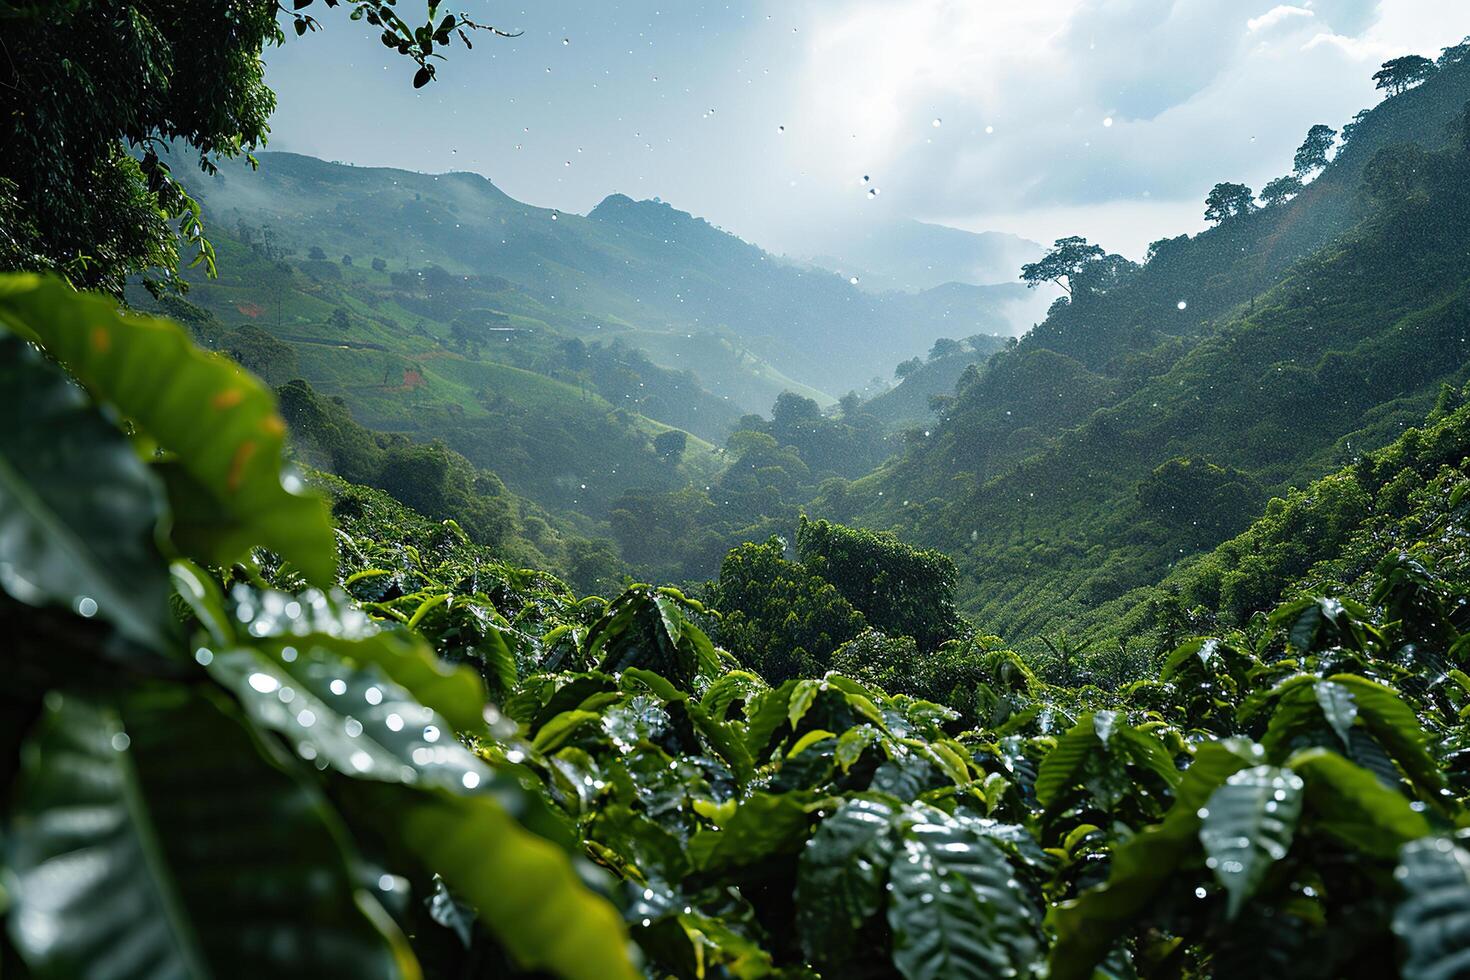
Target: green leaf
(523,887)
(956,910)
(1338,707)
(764,825)
(79,513)
(219,423)
(129,853)
(285,625)
(1248,825)
(646,628)
(1397,728)
(1433,920)
(352,718)
(1352,805)
(1088,926)
(840,878)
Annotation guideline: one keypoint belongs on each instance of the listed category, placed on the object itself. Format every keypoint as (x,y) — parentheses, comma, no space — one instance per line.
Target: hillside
(910,401)
(639,270)
(1124,434)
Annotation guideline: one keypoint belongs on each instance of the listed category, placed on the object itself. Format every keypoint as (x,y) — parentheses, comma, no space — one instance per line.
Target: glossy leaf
(839,884)
(956,910)
(79,513)
(219,423)
(1249,824)
(1433,920)
(156,840)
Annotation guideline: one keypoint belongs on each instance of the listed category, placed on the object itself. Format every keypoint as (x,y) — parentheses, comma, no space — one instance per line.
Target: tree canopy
(1280,190)
(1311,156)
(1227,200)
(1397,75)
(1068,258)
(100,94)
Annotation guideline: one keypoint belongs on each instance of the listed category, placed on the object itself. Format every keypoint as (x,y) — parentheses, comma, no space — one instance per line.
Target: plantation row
(379,751)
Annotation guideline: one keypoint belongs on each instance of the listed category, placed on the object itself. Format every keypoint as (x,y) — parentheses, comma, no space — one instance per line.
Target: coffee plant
(239,739)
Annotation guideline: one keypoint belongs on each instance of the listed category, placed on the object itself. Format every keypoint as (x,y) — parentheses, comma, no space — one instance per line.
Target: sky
(789,121)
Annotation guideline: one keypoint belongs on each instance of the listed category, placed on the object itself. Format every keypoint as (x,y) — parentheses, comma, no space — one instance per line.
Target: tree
(347,260)
(1068,258)
(1311,156)
(1397,75)
(901,590)
(1280,190)
(317,254)
(380,265)
(1350,130)
(1227,200)
(908,367)
(777,616)
(340,320)
(1454,54)
(945,347)
(670,445)
(1465,128)
(96,94)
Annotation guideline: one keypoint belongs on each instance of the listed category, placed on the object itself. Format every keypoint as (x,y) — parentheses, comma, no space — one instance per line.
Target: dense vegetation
(1147,422)
(310,669)
(439,739)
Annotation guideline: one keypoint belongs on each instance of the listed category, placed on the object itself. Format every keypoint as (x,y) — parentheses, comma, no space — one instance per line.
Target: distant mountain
(639,270)
(915,255)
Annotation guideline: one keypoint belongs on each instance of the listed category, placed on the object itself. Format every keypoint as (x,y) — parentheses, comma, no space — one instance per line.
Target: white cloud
(1275,16)
(1198,91)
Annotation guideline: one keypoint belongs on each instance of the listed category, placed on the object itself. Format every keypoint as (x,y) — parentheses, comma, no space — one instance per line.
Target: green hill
(1124,434)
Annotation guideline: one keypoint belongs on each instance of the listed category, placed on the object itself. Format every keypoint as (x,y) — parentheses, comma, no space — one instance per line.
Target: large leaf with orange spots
(216,425)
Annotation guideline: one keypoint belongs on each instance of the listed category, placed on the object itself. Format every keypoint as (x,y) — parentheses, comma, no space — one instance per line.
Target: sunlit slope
(1048,479)
(627,264)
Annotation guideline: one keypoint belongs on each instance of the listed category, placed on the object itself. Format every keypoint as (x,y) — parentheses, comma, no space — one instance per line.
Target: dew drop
(120,741)
(264,683)
(338,686)
(86,607)
(470,780)
(1183,305)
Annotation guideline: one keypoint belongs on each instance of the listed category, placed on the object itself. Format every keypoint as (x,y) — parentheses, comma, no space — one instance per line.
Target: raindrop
(780,129)
(1183,305)
(565,41)
(648,894)
(1200,892)
(86,607)
(515,756)
(385,883)
(338,686)
(872,193)
(264,683)
(989,130)
(394,722)
(120,741)
(853,280)
(204,656)
(352,727)
(470,780)
(431,734)
(373,696)
(361,761)
(306,719)
(1108,122)
(937,122)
